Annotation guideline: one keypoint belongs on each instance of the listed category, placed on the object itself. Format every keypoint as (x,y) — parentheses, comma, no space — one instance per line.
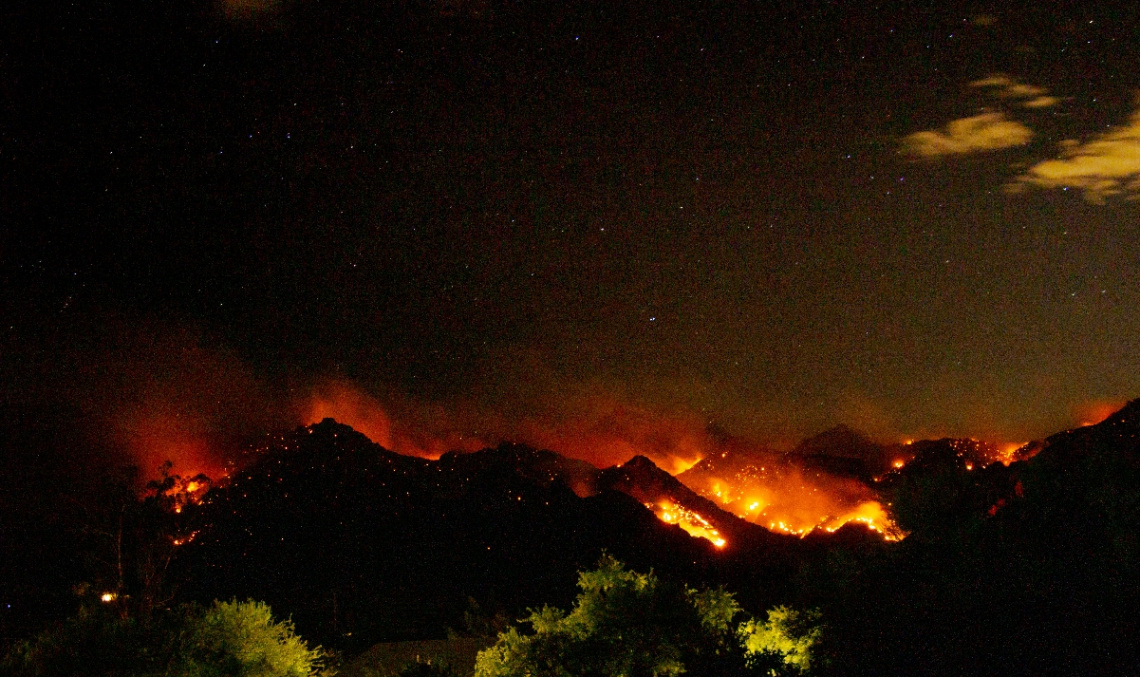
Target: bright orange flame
(793,501)
(871,514)
(190,492)
(1007,452)
(898,464)
(694,524)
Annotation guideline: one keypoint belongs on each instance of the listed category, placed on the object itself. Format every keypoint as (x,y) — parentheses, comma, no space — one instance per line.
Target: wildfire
(691,522)
(785,528)
(1007,453)
(796,502)
(869,514)
(872,515)
(189,491)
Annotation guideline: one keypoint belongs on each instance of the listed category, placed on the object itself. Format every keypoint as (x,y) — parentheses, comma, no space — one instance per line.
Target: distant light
(109,597)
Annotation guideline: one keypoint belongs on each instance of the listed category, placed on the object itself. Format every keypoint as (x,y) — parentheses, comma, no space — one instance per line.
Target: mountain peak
(640,462)
(1120,432)
(842,441)
(1127,415)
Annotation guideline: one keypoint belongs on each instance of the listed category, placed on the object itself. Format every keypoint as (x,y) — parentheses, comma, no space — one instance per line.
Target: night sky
(569,223)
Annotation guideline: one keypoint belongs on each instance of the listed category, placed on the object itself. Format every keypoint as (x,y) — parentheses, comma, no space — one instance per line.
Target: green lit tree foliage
(788,636)
(230,639)
(630,624)
(241,639)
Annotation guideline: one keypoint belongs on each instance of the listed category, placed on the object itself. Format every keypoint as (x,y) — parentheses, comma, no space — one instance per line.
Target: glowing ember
(109,597)
(784,527)
(691,522)
(185,539)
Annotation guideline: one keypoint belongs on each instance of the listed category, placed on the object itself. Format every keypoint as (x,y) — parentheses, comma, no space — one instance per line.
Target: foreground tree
(231,639)
(242,639)
(787,638)
(635,625)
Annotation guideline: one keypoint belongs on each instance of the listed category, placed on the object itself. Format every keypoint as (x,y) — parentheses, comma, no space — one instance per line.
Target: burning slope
(814,487)
(693,523)
(785,498)
(828,480)
(674,503)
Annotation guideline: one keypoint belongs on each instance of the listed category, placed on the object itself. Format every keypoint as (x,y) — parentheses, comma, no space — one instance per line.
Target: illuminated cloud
(1042,102)
(986,132)
(1107,165)
(1006,87)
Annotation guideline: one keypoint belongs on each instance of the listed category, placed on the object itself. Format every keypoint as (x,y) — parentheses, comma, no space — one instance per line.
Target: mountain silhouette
(842,451)
(1119,432)
(339,533)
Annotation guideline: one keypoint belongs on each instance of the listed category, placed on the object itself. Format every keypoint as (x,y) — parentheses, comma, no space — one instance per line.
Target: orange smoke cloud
(353,408)
(606,432)
(171,396)
(1091,413)
(596,428)
(423,433)
(155,438)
